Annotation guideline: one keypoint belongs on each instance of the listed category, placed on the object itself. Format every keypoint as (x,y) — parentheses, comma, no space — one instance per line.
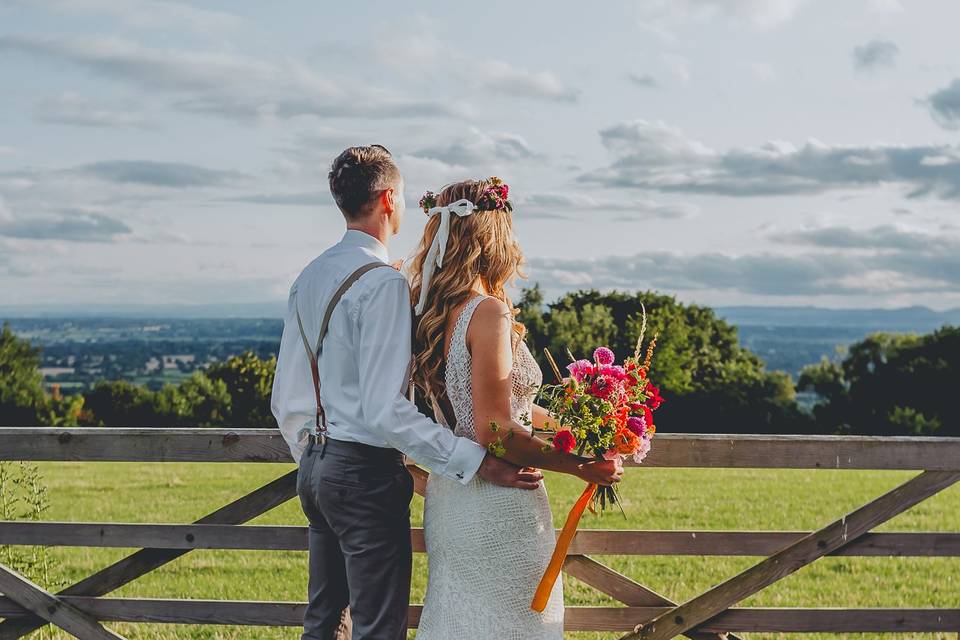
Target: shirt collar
(361,240)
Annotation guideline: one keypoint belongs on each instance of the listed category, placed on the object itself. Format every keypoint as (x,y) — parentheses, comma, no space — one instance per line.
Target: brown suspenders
(314,353)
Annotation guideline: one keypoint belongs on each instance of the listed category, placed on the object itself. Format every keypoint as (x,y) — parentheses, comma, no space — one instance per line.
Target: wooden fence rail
(82,608)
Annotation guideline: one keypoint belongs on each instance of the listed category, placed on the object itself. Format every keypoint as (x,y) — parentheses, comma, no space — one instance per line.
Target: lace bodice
(525,374)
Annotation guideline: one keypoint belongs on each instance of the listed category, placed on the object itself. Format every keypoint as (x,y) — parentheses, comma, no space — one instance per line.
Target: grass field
(654,499)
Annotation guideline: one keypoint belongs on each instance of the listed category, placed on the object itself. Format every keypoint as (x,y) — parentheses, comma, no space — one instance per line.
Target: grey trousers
(357,500)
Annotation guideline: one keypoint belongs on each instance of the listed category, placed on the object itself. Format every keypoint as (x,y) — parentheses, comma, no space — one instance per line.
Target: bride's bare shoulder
(490,322)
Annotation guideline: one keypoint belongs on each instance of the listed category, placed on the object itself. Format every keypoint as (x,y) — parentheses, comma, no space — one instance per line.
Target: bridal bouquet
(603,410)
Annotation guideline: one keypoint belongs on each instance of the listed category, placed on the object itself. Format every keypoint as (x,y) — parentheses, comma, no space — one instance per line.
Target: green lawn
(654,499)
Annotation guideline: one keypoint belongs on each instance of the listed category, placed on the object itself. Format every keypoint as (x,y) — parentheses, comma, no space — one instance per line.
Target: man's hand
(501,472)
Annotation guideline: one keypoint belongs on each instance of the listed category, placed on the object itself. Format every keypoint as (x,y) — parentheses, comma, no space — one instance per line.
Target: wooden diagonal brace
(627,591)
(46,605)
(137,564)
(794,557)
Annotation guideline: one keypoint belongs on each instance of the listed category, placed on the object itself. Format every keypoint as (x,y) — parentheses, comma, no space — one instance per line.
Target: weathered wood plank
(130,568)
(41,602)
(586,542)
(671,450)
(614,584)
(755,543)
(792,558)
(290,614)
(627,591)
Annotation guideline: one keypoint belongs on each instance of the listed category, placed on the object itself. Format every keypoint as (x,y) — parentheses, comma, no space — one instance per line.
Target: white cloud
(481,149)
(428,56)
(72,109)
(626,208)
(71,226)
(759,13)
(643,80)
(148,13)
(815,274)
(944,105)
(176,175)
(875,54)
(225,84)
(653,155)
(5,214)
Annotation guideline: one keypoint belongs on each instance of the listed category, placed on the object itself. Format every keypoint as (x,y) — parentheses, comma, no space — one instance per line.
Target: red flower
(654,399)
(648,418)
(564,441)
(603,386)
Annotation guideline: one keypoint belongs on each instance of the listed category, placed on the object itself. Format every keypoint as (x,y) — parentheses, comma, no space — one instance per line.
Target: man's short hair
(358,175)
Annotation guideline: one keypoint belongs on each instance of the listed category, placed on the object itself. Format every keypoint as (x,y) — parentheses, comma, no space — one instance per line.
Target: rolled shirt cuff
(464,462)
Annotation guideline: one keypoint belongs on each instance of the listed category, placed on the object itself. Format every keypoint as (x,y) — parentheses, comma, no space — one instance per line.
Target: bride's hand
(602,472)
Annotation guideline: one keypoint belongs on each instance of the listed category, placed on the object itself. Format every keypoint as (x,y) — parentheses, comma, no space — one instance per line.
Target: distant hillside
(920,319)
(788,338)
(149,311)
(127,337)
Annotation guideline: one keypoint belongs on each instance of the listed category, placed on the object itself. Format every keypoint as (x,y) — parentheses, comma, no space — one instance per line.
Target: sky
(761,152)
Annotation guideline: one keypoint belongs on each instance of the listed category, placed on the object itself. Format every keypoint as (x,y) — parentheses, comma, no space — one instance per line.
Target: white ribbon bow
(438,247)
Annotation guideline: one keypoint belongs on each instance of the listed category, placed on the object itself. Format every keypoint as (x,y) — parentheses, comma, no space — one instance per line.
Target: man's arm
(384,358)
(292,399)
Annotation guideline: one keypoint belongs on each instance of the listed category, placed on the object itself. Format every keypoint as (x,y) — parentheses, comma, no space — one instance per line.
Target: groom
(350,438)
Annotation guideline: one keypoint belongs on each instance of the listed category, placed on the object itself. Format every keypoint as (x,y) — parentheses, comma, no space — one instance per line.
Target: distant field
(655,499)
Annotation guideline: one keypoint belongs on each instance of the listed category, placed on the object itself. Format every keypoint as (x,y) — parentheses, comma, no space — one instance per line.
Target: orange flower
(626,442)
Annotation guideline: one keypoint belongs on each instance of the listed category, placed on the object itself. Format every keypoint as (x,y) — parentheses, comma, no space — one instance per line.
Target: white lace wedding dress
(487,546)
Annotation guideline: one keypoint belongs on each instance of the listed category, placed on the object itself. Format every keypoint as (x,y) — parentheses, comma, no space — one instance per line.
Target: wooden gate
(82,607)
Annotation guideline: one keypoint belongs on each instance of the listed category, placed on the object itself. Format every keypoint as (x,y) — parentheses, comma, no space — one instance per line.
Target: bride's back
(525,373)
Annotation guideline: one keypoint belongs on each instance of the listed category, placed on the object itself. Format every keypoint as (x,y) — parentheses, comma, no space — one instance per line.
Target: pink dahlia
(604,386)
(637,424)
(603,356)
(614,371)
(580,369)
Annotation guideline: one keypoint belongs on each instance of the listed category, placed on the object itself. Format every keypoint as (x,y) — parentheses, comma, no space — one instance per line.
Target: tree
(713,384)
(198,401)
(21,385)
(248,380)
(119,403)
(23,401)
(891,384)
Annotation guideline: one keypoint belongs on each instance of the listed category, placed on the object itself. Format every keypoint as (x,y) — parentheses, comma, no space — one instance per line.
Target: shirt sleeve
(385,324)
(292,397)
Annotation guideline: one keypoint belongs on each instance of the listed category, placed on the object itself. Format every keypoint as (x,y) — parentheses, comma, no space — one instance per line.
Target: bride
(487,546)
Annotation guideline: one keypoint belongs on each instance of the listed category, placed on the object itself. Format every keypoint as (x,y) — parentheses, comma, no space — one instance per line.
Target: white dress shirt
(364,365)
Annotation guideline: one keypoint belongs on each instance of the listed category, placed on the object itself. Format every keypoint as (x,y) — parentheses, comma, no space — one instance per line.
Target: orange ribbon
(550,576)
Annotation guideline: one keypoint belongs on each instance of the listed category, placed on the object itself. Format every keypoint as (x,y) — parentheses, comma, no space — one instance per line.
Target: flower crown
(493,198)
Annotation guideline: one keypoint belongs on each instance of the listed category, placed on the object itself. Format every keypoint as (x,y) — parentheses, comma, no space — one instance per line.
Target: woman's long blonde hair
(480,245)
